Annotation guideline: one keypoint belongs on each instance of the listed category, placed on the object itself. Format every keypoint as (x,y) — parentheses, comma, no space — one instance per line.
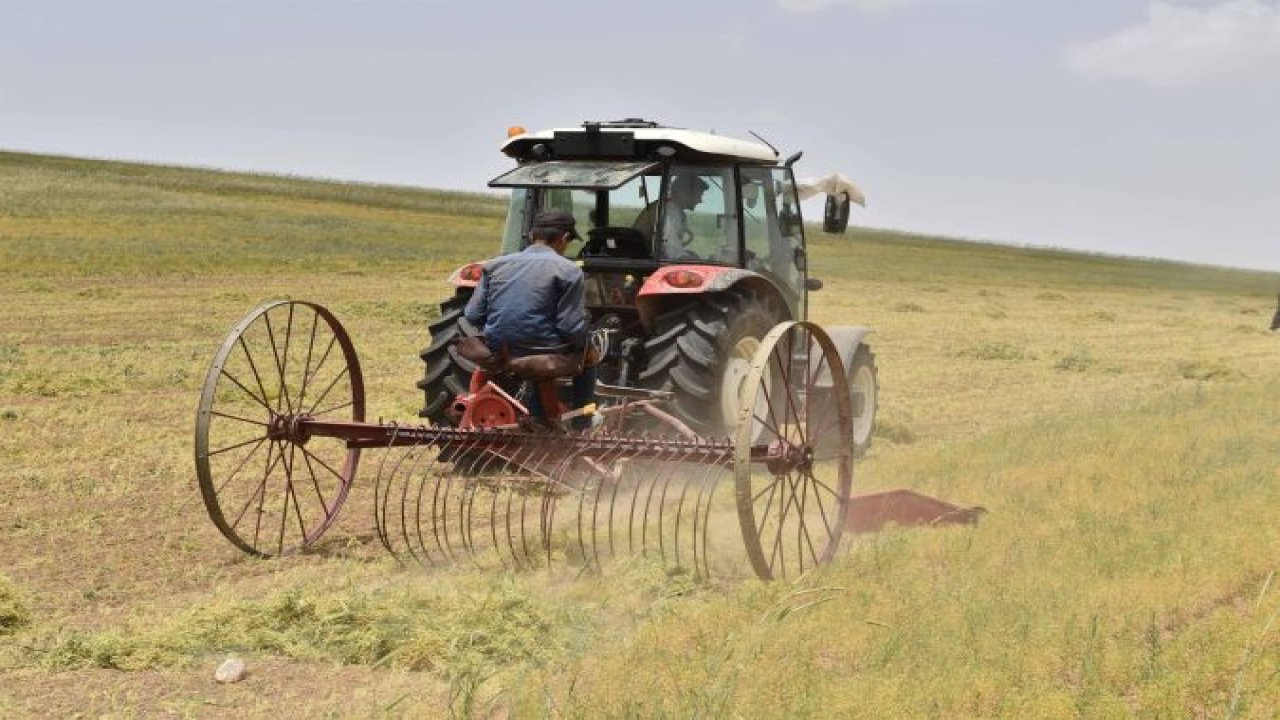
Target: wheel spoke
(253,366)
(262,496)
(784,509)
(260,488)
(323,464)
(236,471)
(237,417)
(324,357)
(327,390)
(288,491)
(793,411)
(219,451)
(282,386)
(822,509)
(260,400)
(332,408)
(306,368)
(756,498)
(810,380)
(315,483)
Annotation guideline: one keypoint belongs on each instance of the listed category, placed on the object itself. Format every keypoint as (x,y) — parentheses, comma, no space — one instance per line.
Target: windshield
(697,223)
(585,174)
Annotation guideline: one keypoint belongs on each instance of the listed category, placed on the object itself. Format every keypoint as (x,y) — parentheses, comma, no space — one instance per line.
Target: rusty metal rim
(205,413)
(746,434)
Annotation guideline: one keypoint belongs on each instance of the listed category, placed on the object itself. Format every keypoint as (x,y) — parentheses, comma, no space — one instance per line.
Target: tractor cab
(647,198)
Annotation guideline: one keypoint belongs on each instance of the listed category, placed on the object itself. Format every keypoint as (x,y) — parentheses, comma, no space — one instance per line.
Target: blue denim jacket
(529,299)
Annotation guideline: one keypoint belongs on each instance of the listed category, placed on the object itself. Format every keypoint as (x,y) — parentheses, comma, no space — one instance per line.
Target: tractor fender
(675,280)
(467,276)
(846,339)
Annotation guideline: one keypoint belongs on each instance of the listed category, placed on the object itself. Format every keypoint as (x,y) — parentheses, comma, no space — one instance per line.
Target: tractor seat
(546,366)
(616,242)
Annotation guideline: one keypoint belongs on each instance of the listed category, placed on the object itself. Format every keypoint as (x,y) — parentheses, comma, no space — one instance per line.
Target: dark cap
(556,220)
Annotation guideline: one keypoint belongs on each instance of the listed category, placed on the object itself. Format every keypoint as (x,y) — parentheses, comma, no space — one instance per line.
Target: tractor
(694,248)
(728,426)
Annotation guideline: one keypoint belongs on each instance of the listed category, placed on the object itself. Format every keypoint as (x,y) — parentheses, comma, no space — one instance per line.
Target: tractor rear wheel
(447,373)
(701,352)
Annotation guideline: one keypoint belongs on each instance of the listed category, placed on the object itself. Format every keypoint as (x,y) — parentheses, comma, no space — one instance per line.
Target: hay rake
(281,428)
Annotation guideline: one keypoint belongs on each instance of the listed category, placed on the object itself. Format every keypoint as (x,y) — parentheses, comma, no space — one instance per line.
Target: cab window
(772,231)
(698,222)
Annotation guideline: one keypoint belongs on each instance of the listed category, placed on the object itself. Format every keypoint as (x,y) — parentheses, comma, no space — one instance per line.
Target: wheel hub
(292,428)
(784,457)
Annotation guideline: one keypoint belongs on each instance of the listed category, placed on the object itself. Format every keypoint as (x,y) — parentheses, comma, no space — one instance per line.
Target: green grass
(1115,416)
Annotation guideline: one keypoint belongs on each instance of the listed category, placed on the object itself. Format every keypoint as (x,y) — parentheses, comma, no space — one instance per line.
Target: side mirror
(836,218)
(812,284)
(801,259)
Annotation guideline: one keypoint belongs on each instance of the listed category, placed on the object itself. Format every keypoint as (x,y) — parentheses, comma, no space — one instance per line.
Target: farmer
(1275,321)
(531,303)
(685,194)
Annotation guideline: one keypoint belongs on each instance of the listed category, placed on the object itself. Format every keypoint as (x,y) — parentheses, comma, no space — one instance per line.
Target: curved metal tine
(493,459)
(414,455)
(596,474)
(435,472)
(425,449)
(673,467)
(380,493)
(622,457)
(701,478)
(663,460)
(635,498)
(519,460)
(609,459)
(693,473)
(550,503)
(458,461)
(716,474)
(687,471)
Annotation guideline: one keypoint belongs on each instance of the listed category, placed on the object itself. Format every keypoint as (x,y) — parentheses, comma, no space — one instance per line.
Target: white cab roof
(697,141)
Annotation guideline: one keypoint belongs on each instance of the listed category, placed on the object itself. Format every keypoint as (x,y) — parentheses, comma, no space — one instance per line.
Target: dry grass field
(1117,417)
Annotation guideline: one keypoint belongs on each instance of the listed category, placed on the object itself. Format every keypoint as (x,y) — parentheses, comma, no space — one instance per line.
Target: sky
(1128,127)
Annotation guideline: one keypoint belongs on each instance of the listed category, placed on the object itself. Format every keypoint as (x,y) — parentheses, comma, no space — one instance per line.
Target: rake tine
(406,479)
(379,513)
(412,477)
(611,458)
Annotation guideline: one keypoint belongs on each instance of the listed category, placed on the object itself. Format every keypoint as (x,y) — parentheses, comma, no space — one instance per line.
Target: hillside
(1115,416)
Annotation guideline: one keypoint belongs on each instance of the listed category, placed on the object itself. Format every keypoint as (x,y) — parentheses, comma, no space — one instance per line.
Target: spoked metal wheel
(269,487)
(792,481)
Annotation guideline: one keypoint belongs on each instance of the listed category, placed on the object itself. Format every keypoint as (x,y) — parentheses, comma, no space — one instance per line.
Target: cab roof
(635,140)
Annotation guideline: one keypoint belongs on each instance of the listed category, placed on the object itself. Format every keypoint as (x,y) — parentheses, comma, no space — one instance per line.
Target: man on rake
(530,304)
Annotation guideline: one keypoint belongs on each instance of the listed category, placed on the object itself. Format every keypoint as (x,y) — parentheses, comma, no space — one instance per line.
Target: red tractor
(693,250)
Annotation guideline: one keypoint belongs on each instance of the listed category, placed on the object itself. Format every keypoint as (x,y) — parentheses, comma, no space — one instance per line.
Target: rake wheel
(792,483)
(269,487)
